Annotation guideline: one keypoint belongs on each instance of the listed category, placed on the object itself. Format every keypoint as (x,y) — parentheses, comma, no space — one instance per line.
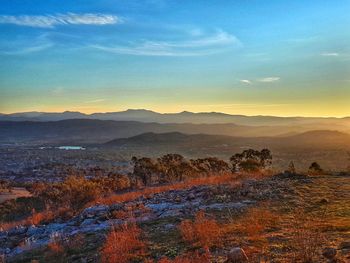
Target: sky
(283,58)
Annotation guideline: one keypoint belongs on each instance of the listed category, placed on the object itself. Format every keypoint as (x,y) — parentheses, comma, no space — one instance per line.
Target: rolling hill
(100,131)
(315,139)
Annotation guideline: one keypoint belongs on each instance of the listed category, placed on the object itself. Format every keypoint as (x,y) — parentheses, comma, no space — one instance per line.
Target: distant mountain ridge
(142,115)
(314,139)
(100,131)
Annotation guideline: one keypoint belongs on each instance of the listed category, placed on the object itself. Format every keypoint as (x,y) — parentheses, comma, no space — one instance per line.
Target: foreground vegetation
(237,212)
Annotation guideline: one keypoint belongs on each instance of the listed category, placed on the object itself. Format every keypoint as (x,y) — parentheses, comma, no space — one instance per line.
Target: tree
(174,167)
(146,169)
(315,169)
(210,165)
(251,160)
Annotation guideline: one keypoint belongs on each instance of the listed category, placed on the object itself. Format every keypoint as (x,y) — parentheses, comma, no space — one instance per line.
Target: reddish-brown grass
(203,232)
(123,244)
(256,221)
(55,248)
(35,219)
(306,236)
(250,229)
(129,196)
(47,215)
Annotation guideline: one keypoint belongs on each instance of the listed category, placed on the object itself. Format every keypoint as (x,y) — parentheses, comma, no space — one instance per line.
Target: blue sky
(242,57)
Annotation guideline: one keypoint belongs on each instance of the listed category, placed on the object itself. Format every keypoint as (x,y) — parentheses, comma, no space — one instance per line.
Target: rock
(329,252)
(169,226)
(236,255)
(54,227)
(159,207)
(178,199)
(17,231)
(33,230)
(191,196)
(88,221)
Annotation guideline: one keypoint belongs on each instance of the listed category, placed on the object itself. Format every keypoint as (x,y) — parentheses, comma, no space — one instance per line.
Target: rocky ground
(159,216)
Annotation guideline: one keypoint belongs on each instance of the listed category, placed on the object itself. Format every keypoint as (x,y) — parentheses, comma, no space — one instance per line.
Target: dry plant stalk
(123,244)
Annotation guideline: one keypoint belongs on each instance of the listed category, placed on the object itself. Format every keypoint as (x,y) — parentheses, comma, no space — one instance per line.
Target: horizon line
(177,112)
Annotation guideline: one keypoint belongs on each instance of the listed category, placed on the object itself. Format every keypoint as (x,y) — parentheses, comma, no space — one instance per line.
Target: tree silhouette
(251,160)
(315,169)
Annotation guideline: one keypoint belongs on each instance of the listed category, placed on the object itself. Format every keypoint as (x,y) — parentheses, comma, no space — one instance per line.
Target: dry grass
(250,230)
(203,232)
(123,244)
(255,222)
(35,219)
(149,191)
(55,248)
(307,238)
(47,215)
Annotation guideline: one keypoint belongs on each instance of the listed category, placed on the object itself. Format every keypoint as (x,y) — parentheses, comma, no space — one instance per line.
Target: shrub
(315,169)
(55,248)
(202,231)
(256,221)
(123,244)
(74,192)
(252,226)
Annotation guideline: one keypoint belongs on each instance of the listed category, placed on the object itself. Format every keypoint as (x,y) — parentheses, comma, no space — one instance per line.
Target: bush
(202,231)
(315,169)
(123,244)
(73,193)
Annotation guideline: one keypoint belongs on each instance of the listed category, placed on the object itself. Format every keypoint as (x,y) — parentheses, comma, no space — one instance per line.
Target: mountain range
(142,115)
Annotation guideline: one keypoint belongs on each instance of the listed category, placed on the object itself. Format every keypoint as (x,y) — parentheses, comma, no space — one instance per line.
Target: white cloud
(197,46)
(245,81)
(269,79)
(330,54)
(49,21)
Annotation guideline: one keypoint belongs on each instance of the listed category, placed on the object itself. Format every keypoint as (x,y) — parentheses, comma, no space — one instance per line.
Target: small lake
(70,148)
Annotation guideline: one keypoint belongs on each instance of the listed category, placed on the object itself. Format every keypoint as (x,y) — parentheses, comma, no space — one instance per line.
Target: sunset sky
(251,57)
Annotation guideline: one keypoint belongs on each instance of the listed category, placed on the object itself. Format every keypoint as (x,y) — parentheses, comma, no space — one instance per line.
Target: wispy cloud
(50,21)
(95,101)
(245,81)
(27,50)
(25,46)
(198,46)
(269,79)
(330,54)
